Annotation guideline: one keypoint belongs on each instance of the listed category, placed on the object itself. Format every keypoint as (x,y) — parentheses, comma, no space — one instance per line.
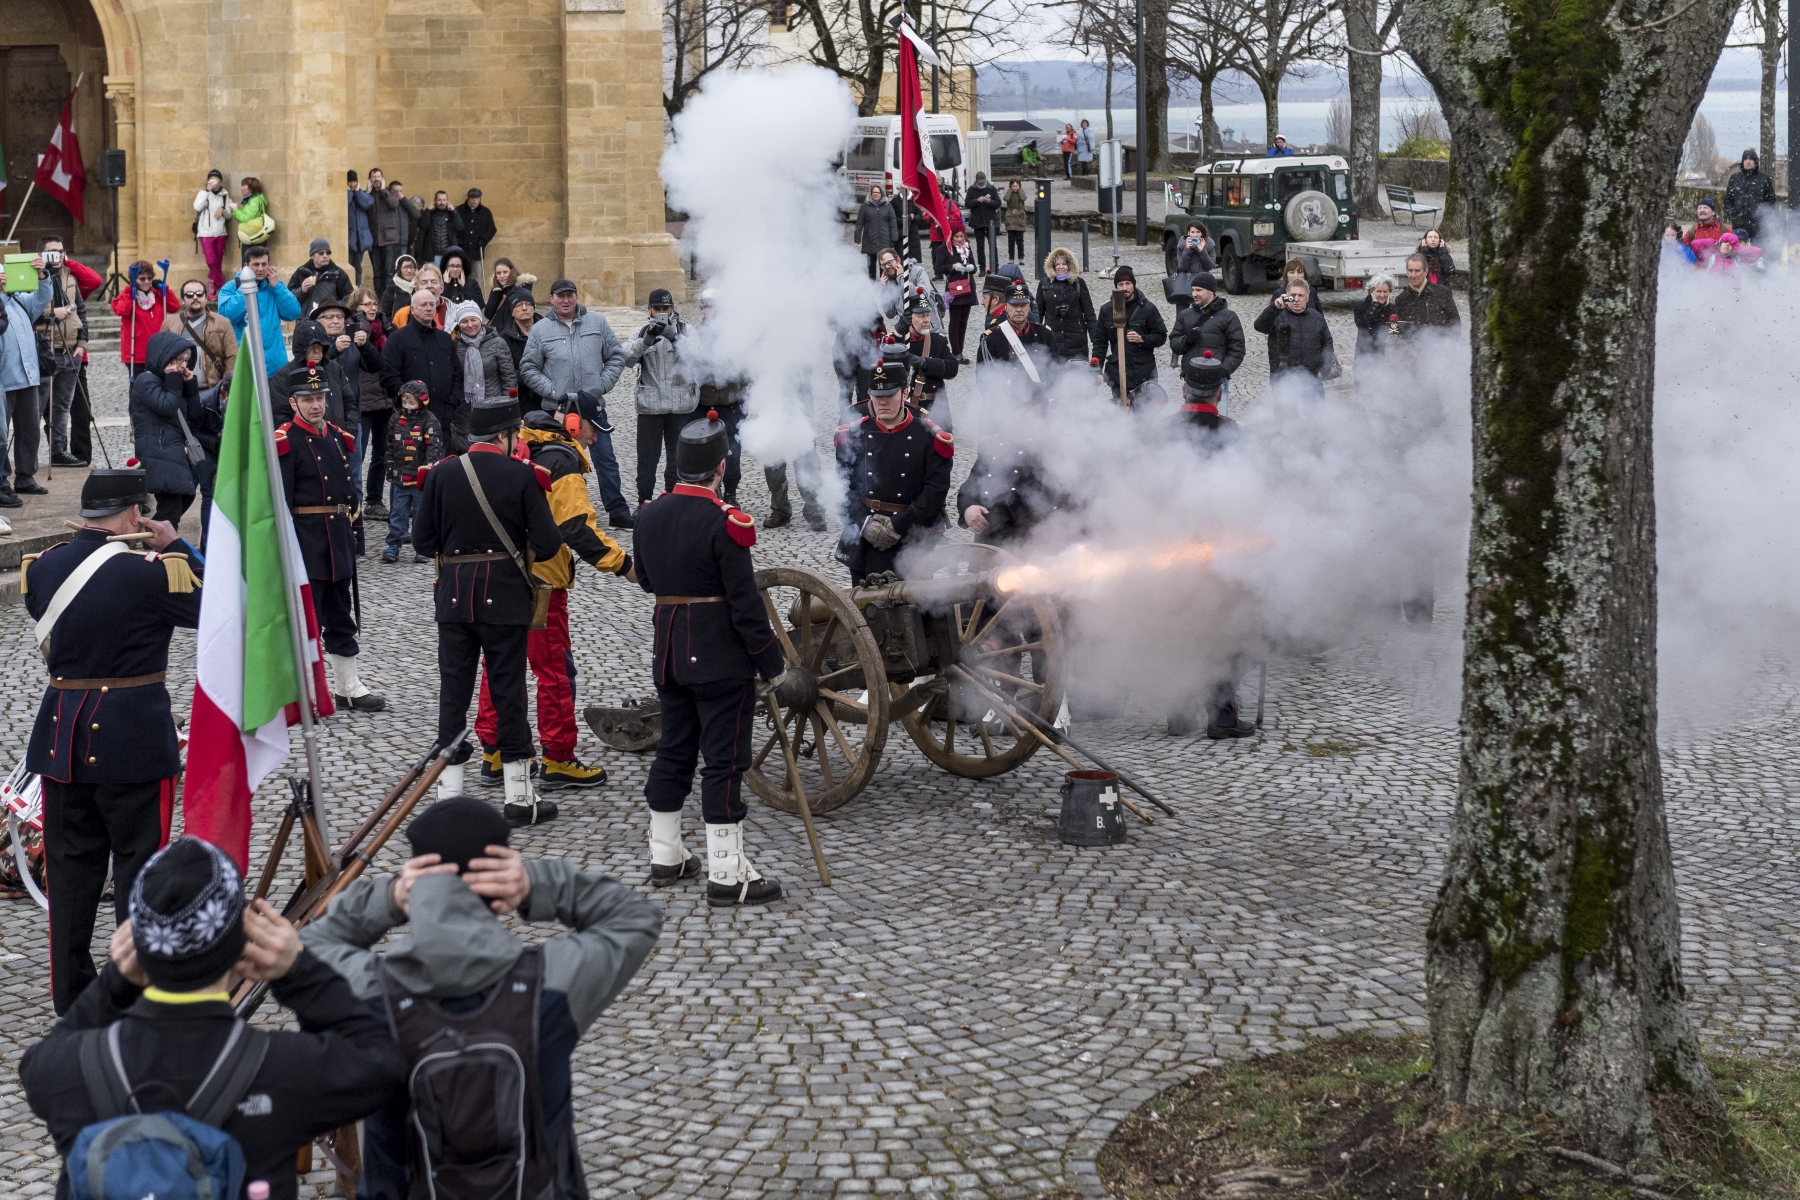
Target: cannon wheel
(838,757)
(1024,625)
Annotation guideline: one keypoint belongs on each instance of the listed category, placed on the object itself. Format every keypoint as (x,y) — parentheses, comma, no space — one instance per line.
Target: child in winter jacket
(140,310)
(415,442)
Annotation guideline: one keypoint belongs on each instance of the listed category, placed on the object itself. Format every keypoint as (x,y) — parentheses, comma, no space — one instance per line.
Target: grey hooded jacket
(581,355)
(663,385)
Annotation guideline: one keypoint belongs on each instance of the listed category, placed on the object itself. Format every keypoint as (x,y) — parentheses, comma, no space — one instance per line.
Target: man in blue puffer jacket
(273,301)
(19,378)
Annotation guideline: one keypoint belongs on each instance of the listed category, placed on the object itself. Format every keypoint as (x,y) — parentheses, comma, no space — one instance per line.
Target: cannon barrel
(930,594)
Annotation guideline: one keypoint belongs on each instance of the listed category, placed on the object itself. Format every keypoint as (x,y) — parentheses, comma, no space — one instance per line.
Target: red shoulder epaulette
(543,475)
(281,440)
(944,443)
(419,475)
(740,525)
(349,438)
(843,434)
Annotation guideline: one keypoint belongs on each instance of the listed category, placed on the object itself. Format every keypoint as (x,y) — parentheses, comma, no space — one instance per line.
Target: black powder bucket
(1091,812)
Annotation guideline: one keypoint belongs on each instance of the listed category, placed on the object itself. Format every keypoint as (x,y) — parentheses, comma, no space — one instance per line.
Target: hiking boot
(572,774)
(492,773)
(376,512)
(390,557)
(777,519)
(661,876)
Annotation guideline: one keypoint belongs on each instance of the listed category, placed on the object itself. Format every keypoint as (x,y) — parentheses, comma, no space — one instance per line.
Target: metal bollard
(1084,245)
(1043,224)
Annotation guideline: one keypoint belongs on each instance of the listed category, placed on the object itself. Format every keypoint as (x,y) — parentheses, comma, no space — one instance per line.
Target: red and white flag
(60,169)
(918,172)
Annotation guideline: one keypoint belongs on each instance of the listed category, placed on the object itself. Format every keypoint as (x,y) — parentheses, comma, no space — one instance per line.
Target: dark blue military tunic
(316,474)
(117,628)
(903,473)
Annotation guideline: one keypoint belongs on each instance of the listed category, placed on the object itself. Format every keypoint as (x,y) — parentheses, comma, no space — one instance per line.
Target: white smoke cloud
(751,166)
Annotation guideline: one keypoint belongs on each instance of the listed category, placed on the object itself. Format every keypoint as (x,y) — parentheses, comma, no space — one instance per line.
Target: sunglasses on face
(193,295)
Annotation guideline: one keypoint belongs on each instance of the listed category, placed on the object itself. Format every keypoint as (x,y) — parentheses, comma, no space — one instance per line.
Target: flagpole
(32,186)
(284,532)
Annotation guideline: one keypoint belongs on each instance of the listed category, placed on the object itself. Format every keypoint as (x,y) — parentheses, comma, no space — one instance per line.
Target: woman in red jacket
(141,314)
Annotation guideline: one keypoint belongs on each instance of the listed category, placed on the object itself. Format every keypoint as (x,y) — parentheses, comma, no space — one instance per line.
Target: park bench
(1401,200)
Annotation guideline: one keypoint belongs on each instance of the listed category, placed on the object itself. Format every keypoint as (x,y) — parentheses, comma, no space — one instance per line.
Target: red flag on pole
(918,172)
(60,171)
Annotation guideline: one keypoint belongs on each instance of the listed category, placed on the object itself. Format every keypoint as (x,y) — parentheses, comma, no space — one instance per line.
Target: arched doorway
(45,46)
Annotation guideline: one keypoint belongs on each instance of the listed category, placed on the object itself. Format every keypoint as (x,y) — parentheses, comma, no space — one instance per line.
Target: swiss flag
(60,170)
(918,173)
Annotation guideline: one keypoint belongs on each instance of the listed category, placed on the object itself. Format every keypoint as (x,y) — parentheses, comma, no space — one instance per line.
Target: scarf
(146,300)
(405,285)
(474,385)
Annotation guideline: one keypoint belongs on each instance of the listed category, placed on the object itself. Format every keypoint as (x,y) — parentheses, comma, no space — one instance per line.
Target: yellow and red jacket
(557,453)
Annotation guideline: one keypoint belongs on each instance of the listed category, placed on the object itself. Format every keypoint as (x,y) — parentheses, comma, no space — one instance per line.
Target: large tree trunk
(1209,124)
(1271,98)
(1364,70)
(1553,957)
(1771,71)
(1154,137)
(1109,81)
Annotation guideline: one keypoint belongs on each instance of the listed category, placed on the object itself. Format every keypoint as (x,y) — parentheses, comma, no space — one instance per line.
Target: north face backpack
(130,1154)
(476,1127)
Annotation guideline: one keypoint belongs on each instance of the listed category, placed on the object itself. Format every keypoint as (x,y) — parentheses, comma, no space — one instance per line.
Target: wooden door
(34,82)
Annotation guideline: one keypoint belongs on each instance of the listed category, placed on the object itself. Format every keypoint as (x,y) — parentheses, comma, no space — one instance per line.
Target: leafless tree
(1553,971)
(855,39)
(1279,38)
(1110,27)
(1763,26)
(1209,35)
(704,36)
(1700,154)
(1367,32)
(1337,123)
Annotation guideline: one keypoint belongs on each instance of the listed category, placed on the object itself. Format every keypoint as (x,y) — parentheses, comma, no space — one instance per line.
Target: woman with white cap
(489,377)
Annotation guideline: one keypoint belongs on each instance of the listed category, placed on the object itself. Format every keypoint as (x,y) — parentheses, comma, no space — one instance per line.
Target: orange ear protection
(572,423)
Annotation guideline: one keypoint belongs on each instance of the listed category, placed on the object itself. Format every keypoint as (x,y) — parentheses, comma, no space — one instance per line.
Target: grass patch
(1356,1118)
(1332,748)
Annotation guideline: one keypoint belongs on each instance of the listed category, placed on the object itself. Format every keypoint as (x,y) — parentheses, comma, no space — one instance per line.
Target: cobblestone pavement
(972,1005)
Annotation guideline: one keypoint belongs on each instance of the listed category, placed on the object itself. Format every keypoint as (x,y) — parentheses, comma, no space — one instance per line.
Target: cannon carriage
(953,654)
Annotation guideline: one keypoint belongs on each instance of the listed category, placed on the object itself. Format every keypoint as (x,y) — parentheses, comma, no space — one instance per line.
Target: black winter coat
(339,1066)
(1141,317)
(333,284)
(342,399)
(1372,326)
(474,227)
(1193,259)
(419,351)
(1439,266)
(434,233)
(1743,194)
(1068,310)
(983,216)
(1213,327)
(1297,341)
(156,434)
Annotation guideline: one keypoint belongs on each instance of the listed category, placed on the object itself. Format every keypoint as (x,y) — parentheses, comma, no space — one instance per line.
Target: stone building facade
(551,107)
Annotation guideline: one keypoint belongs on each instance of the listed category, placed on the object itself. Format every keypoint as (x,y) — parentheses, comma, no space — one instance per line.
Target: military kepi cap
(886,379)
(702,448)
(108,493)
(313,383)
(488,420)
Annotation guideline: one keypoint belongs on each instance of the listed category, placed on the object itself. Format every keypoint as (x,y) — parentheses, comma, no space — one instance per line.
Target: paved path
(972,1005)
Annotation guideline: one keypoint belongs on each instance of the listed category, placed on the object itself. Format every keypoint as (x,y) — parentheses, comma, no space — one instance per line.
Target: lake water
(1733,115)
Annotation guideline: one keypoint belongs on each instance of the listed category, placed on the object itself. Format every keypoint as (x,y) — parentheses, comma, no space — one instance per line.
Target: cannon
(963,664)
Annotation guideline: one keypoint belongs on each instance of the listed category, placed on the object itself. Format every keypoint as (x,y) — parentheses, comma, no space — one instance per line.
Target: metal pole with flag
(59,180)
(258,667)
(918,170)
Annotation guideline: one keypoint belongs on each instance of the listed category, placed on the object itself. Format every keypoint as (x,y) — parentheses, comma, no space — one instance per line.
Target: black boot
(662,876)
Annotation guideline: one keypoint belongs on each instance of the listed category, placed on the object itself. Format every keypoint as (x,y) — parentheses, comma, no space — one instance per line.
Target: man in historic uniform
(554,441)
(1011,336)
(928,360)
(896,465)
(713,640)
(478,515)
(104,742)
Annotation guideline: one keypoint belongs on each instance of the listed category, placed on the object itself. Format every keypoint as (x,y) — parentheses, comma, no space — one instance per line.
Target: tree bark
(1553,968)
(1209,124)
(1109,82)
(1771,70)
(1364,70)
(1271,98)
(1154,137)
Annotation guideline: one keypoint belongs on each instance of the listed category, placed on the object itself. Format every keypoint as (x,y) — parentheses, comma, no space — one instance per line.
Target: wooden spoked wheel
(1008,646)
(823,633)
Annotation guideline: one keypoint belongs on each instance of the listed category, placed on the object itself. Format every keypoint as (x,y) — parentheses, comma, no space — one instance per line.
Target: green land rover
(1255,207)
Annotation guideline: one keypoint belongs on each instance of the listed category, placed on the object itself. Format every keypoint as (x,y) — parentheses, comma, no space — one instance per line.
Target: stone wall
(551,107)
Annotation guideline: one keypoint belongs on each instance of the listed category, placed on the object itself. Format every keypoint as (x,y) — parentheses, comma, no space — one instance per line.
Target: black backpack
(476,1125)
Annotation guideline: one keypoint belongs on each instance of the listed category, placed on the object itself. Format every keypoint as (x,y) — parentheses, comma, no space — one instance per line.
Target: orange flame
(1078,564)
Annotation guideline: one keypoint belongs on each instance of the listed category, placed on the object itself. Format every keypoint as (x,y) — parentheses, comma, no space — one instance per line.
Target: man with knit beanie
(167,988)
(459,959)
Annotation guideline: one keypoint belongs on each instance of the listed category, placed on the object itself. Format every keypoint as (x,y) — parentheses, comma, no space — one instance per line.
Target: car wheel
(1233,268)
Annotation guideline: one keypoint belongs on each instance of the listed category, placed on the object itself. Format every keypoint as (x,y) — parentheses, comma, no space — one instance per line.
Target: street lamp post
(1143,145)
(934,70)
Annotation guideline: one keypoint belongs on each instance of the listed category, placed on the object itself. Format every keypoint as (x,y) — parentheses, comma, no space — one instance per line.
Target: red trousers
(553,666)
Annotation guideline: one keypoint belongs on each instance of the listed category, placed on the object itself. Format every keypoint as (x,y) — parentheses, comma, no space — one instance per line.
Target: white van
(872,156)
